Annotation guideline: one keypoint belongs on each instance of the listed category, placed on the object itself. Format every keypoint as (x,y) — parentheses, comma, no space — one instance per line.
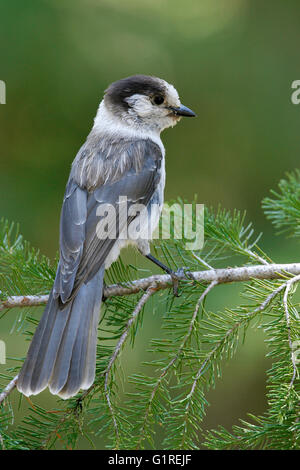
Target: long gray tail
(62,354)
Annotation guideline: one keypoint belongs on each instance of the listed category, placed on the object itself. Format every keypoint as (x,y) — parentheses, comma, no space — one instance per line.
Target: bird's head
(143,102)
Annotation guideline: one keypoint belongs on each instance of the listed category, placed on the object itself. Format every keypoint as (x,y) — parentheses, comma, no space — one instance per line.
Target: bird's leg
(174,276)
(103,296)
(144,248)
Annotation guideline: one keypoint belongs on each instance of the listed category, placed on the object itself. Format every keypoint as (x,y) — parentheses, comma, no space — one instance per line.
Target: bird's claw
(176,277)
(175,282)
(104,298)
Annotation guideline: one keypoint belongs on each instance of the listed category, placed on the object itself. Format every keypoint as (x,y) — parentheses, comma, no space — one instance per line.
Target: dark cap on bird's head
(118,91)
(147,99)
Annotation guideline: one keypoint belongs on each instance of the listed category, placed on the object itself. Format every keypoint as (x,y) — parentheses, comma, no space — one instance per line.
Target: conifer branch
(173,360)
(164,281)
(150,291)
(131,320)
(182,353)
(158,282)
(210,356)
(289,284)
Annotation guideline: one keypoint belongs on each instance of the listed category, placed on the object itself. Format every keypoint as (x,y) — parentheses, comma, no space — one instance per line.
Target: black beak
(183,111)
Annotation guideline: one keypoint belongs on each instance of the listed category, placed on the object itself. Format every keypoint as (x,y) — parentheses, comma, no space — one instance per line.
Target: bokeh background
(233,62)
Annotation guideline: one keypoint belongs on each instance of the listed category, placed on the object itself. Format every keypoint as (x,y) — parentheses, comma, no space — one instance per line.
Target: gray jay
(123,156)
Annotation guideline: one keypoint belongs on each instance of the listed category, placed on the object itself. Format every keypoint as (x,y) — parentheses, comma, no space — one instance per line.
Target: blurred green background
(233,62)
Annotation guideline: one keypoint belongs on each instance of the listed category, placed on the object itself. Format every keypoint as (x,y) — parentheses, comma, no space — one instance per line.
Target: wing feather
(82,253)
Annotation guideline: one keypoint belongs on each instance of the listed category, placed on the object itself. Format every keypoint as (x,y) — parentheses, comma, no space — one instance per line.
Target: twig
(9,388)
(2,442)
(258,309)
(175,358)
(199,302)
(289,284)
(256,256)
(164,281)
(121,341)
(117,350)
(202,261)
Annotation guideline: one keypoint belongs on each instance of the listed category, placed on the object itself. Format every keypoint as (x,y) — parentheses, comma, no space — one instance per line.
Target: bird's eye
(158,99)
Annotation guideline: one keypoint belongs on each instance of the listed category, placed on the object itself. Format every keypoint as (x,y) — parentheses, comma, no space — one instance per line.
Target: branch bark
(164,281)
(8,389)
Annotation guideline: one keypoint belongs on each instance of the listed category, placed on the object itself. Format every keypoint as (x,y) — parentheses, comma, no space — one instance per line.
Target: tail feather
(34,358)
(41,371)
(89,369)
(62,354)
(79,359)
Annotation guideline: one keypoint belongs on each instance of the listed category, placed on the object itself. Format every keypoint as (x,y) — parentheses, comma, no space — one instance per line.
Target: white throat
(107,123)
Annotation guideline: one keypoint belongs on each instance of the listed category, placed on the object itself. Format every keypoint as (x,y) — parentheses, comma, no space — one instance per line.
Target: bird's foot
(177,276)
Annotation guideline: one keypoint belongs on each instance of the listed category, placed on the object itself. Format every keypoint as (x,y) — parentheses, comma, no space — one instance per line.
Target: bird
(122,159)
